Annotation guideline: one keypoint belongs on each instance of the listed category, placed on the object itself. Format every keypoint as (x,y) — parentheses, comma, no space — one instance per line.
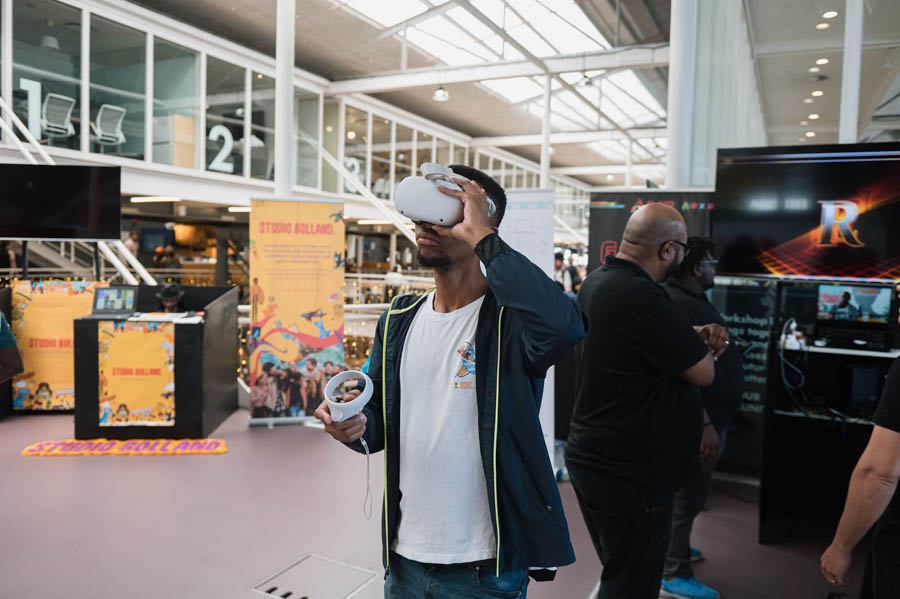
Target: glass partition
(47,71)
(423,149)
(356,141)
(175,104)
(118,88)
(306,135)
(330,138)
(459,155)
(262,127)
(381,157)
(403,158)
(225,93)
(442,153)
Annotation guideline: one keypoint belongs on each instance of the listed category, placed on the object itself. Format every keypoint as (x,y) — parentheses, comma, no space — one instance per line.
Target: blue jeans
(408,579)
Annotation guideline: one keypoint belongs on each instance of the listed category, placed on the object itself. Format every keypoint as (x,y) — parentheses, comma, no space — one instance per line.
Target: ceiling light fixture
(804,123)
(259,75)
(239,209)
(807,100)
(440,95)
(830,14)
(351,134)
(609,177)
(328,128)
(810,134)
(814,69)
(153,199)
(813,116)
(374,222)
(817,93)
(822,61)
(822,26)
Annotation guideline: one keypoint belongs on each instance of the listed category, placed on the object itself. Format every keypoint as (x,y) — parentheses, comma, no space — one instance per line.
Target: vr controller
(341,410)
(419,199)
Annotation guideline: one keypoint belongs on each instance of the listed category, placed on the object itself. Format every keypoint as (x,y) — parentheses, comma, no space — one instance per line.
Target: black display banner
(610,211)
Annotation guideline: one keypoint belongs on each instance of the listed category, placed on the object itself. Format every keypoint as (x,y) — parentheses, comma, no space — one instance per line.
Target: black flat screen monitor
(854,304)
(809,212)
(119,298)
(60,202)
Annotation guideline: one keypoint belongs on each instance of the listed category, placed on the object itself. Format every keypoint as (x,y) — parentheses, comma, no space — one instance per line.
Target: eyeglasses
(712,262)
(687,248)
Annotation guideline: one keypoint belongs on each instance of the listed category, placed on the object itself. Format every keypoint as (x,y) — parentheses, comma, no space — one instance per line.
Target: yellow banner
(137,373)
(296,304)
(130,447)
(42,322)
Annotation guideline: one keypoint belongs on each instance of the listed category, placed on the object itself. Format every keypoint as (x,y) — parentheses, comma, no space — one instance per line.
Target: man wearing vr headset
(471,506)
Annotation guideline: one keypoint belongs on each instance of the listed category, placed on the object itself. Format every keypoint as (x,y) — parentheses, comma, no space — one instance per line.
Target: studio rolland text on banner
(296,304)
(42,316)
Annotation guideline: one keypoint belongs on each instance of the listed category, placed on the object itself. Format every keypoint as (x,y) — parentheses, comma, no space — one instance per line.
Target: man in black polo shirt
(721,401)
(636,428)
(873,497)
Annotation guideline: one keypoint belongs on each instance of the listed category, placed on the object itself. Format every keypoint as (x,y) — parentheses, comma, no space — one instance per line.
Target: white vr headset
(419,199)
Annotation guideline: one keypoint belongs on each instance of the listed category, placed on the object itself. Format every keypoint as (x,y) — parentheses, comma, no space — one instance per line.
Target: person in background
(873,499)
(159,257)
(132,243)
(259,394)
(7,257)
(721,401)
(172,260)
(170,298)
(10,357)
(636,427)
(471,506)
(565,276)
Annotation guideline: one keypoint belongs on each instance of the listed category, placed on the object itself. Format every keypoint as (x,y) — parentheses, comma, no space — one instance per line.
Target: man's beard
(671,270)
(436,262)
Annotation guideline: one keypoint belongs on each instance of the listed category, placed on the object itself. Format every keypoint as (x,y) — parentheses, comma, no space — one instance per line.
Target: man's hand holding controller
(347,431)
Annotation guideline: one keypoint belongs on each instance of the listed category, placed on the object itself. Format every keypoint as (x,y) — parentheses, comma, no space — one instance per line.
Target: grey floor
(214,527)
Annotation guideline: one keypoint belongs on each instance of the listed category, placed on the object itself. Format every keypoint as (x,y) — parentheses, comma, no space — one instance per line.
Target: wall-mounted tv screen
(809,211)
(60,202)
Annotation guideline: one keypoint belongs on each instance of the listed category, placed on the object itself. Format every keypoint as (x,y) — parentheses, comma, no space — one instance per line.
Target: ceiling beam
(567,137)
(606,169)
(807,46)
(630,57)
(434,11)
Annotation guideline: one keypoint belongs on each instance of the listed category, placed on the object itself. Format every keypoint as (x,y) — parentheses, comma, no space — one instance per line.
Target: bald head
(646,238)
(654,224)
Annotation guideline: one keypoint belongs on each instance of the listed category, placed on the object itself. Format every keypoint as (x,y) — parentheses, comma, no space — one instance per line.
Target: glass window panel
(306,137)
(262,127)
(520,179)
(118,95)
(330,138)
(175,104)
(225,93)
(47,71)
(459,155)
(381,157)
(484,164)
(403,161)
(443,152)
(356,136)
(423,150)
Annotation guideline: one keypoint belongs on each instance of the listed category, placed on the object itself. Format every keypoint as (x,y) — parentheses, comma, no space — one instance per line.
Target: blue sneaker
(687,588)
(696,555)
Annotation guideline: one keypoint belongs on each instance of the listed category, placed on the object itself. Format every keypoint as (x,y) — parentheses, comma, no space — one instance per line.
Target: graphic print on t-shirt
(466,369)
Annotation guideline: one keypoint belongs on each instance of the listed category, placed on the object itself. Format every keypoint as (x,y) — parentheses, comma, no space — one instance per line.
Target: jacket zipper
(496,421)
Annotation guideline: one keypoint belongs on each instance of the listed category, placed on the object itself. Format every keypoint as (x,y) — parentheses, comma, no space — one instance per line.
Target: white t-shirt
(444,513)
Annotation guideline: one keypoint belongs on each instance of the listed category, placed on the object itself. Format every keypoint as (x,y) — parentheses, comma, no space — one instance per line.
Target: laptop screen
(114,299)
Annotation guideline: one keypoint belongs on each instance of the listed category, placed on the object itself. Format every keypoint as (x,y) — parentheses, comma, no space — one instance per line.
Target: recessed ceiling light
(153,199)
(814,69)
(609,177)
(810,134)
(813,116)
(830,14)
(817,93)
(329,129)
(804,122)
(351,134)
(239,209)
(822,61)
(440,95)
(259,75)
(807,100)
(822,26)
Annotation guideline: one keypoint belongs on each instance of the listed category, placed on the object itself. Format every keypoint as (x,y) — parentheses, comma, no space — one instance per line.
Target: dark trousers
(689,501)
(882,576)
(630,528)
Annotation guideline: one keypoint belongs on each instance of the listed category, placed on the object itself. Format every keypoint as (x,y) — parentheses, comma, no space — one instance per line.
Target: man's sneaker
(686,588)
(696,555)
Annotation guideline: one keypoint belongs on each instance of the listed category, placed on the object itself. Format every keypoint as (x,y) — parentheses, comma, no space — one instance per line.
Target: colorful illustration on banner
(42,317)
(296,339)
(136,373)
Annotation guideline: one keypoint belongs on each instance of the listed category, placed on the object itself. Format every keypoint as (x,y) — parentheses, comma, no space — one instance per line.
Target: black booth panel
(195,298)
(6,388)
(220,360)
(87,412)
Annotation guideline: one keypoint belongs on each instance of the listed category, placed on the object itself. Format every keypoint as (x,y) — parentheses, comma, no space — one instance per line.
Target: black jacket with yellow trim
(524,326)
